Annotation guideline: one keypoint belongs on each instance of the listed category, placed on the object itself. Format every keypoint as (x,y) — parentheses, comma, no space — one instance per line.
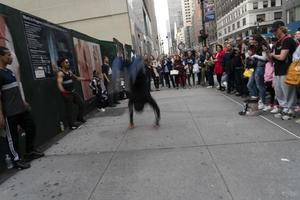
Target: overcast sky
(162,15)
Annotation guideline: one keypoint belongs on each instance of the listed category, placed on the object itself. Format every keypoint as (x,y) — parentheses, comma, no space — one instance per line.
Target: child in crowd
(269,83)
(97,86)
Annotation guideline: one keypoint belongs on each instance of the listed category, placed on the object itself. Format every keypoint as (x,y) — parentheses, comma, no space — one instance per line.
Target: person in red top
(218,65)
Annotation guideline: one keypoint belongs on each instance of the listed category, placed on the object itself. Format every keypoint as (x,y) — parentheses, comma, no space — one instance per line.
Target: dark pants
(230,82)
(199,76)
(219,79)
(238,80)
(25,121)
(161,79)
(180,79)
(70,100)
(210,76)
(169,78)
(148,99)
(271,91)
(156,82)
(191,75)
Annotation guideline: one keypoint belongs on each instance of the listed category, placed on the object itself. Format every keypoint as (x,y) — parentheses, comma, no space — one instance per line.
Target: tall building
(101,19)
(292,16)
(196,24)
(187,13)
(245,17)
(143,26)
(176,21)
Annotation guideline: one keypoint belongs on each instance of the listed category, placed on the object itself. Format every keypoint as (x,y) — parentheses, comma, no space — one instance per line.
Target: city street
(203,151)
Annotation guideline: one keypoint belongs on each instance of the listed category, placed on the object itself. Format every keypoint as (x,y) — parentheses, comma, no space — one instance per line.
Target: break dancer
(139,91)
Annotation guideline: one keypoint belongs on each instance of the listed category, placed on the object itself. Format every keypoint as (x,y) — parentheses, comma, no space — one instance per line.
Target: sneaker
(275,110)
(208,87)
(20,164)
(267,108)
(238,94)
(35,154)
(74,126)
(261,105)
(278,115)
(101,109)
(288,115)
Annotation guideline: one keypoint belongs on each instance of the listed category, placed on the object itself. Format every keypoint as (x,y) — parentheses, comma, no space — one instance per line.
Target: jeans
(169,78)
(238,80)
(256,85)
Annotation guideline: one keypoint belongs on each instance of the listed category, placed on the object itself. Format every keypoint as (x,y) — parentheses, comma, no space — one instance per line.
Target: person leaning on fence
(14,112)
(65,83)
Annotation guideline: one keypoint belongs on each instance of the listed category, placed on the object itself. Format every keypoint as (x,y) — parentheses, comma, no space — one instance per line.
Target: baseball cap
(277,25)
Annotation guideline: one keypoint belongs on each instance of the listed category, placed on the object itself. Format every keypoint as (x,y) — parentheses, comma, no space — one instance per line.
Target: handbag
(196,68)
(174,72)
(248,72)
(293,75)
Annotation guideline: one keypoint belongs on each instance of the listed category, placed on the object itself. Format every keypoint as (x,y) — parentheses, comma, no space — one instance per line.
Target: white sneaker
(290,114)
(101,109)
(275,110)
(267,108)
(208,87)
(278,115)
(261,106)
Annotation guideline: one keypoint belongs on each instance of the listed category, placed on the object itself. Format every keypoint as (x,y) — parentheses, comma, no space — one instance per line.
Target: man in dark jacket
(166,68)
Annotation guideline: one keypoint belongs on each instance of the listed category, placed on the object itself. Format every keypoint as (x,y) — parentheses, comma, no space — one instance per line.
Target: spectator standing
(14,112)
(219,70)
(65,78)
(282,56)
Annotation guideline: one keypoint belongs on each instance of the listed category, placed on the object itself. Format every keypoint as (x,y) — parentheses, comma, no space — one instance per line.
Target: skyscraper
(175,19)
(187,14)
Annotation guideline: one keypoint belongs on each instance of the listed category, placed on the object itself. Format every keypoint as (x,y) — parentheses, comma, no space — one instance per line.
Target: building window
(273,3)
(244,22)
(229,29)
(265,3)
(277,15)
(238,24)
(233,27)
(255,5)
(225,30)
(264,30)
(261,17)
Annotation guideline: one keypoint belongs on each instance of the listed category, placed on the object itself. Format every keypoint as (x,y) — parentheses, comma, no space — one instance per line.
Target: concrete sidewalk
(203,150)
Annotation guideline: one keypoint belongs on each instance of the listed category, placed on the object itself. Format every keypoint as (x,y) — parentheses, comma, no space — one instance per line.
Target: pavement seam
(209,152)
(114,153)
(173,148)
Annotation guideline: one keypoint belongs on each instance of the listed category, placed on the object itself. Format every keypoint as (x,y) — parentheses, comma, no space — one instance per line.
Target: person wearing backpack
(282,56)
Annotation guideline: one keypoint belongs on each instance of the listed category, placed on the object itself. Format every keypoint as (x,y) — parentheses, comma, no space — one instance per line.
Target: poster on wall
(88,59)
(6,41)
(209,10)
(46,44)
